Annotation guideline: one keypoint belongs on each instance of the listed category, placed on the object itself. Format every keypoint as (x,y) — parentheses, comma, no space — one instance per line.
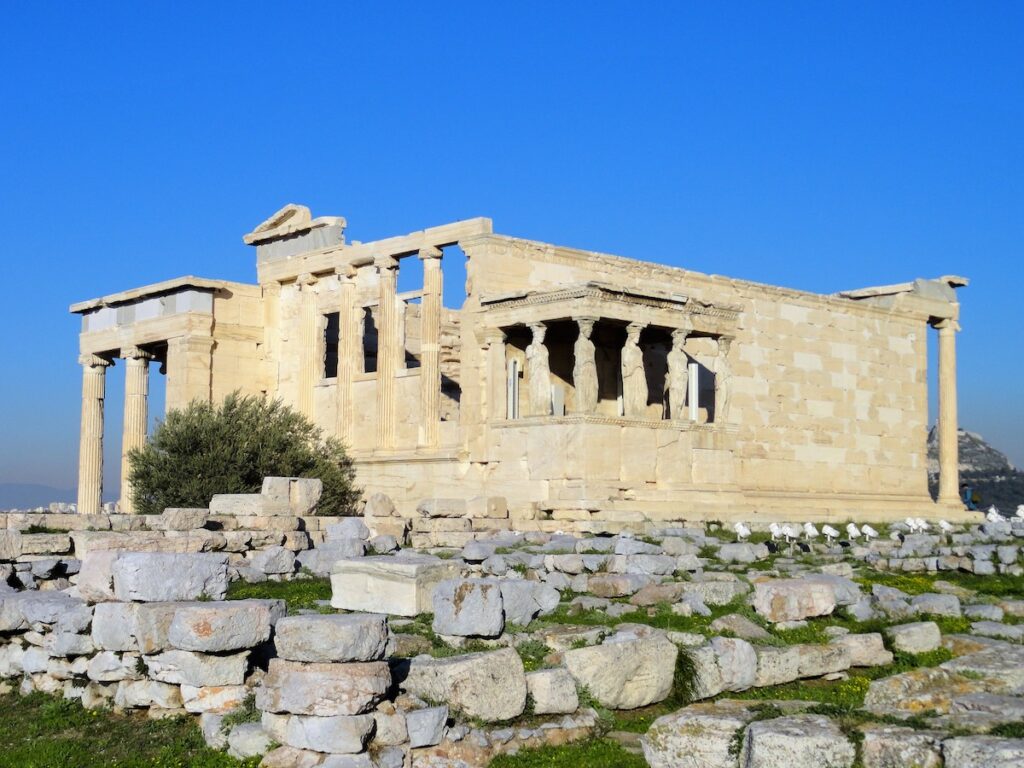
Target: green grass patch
(595,753)
(34,528)
(299,594)
(40,731)
(533,654)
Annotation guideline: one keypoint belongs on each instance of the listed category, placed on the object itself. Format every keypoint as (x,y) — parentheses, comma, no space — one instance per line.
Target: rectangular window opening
(332,332)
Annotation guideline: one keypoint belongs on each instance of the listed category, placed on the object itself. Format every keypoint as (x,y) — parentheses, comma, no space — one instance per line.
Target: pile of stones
(449,656)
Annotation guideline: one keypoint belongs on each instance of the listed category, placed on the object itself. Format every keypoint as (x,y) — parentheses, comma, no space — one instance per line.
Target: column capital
(492,336)
(385,262)
(948,324)
(634,329)
(345,273)
(94,361)
(538,329)
(430,253)
(306,280)
(680,335)
(724,342)
(135,353)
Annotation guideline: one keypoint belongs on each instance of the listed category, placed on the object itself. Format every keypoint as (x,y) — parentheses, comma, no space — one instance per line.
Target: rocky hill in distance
(985,468)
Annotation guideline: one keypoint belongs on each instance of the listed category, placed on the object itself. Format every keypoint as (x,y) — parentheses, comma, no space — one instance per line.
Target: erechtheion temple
(568,385)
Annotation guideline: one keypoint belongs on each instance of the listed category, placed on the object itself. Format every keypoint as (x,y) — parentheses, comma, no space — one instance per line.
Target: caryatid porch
(595,350)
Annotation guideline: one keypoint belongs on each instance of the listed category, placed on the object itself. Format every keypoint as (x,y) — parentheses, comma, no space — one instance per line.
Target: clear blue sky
(822,146)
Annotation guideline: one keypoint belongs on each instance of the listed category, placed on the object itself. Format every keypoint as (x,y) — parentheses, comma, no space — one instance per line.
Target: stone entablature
(563,376)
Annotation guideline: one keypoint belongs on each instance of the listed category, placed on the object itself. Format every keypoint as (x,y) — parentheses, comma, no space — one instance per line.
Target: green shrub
(207,449)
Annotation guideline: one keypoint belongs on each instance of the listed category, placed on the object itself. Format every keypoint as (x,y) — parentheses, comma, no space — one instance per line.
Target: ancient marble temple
(562,384)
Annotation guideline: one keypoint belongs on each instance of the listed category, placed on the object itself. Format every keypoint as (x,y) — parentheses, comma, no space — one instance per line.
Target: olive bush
(207,449)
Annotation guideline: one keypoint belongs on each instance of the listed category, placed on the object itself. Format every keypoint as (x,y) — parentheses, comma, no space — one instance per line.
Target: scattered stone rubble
(422,662)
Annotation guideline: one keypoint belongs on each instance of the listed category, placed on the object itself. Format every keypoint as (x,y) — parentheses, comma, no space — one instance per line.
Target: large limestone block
(468,608)
(113,627)
(1002,667)
(304,495)
(888,746)
(145,541)
(10,544)
(334,638)
(340,734)
(248,504)
(197,669)
(323,689)
(490,686)
(147,693)
(524,600)
(793,599)
(918,637)
(159,577)
(699,735)
(273,560)
(553,691)
(224,626)
(401,585)
(625,673)
(724,664)
(617,585)
(110,667)
(920,690)
(983,752)
(425,727)
(96,575)
(152,625)
(25,610)
(866,650)
(180,519)
(213,699)
(800,741)
(792,662)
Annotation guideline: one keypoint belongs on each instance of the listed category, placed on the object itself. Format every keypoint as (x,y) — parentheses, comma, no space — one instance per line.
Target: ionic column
(90,446)
(309,344)
(678,375)
(430,348)
(584,369)
(347,350)
(387,353)
(949,461)
(136,415)
(634,377)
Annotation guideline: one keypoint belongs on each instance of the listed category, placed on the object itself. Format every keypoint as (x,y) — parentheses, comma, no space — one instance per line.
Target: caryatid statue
(584,369)
(539,372)
(634,378)
(678,374)
(723,379)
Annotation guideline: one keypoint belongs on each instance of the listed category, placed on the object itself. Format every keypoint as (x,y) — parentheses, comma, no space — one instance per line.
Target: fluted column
(387,353)
(584,369)
(309,344)
(949,461)
(430,348)
(90,446)
(136,415)
(347,350)
(678,375)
